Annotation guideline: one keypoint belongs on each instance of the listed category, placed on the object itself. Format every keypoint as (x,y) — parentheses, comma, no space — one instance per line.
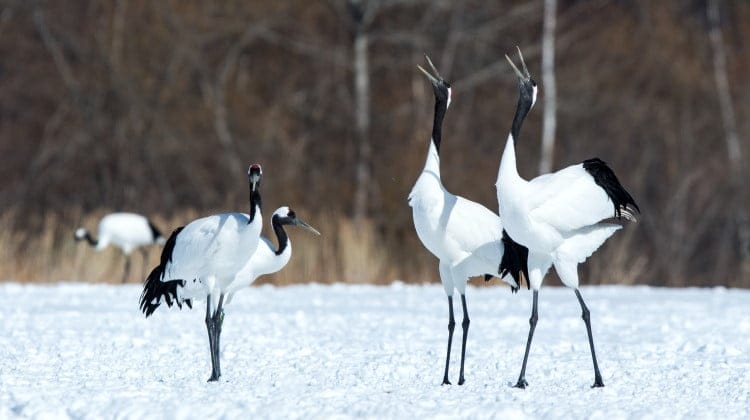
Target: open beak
(525,76)
(433,79)
(302,224)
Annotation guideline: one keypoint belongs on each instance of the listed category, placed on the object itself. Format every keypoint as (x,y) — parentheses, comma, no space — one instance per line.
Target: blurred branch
(734,152)
(58,57)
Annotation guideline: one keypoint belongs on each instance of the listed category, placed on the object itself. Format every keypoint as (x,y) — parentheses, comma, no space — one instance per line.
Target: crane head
(441,88)
(80,234)
(254,173)
(287,216)
(526,84)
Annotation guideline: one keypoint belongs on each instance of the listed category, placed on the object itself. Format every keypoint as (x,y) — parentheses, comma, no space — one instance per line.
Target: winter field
(84,351)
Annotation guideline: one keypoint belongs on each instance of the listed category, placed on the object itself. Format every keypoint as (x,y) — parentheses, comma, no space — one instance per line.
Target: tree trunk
(731,136)
(549,123)
(362,120)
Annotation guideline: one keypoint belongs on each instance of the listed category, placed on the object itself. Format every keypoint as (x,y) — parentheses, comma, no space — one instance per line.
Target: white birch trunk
(549,123)
(362,116)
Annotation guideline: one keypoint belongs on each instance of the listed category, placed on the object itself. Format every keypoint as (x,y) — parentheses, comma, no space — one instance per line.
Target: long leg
(465,325)
(126,273)
(532,325)
(587,319)
(144,253)
(218,319)
(451,326)
(211,327)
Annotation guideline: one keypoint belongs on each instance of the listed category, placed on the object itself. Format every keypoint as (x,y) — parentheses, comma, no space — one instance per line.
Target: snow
(315,351)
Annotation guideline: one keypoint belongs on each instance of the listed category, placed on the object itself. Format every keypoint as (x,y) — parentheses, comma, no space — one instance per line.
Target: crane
(465,236)
(561,217)
(125,231)
(201,260)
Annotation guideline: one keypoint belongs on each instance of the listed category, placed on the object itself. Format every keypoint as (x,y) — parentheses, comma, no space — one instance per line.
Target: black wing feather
(154,288)
(514,261)
(607,180)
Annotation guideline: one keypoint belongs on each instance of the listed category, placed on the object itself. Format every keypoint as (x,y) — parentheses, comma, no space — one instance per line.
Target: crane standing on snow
(201,260)
(560,216)
(464,235)
(266,259)
(126,231)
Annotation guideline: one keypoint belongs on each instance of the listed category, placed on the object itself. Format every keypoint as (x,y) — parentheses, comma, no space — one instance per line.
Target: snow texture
(314,351)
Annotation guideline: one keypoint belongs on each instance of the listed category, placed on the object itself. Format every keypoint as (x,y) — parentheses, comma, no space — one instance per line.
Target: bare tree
(549,123)
(731,136)
(360,15)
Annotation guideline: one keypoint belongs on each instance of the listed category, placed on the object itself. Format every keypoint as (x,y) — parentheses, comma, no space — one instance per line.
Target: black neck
(522,109)
(440,107)
(90,239)
(255,202)
(281,236)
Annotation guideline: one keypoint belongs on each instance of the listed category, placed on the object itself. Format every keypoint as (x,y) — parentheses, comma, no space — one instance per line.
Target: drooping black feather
(514,261)
(166,253)
(606,179)
(154,288)
(155,232)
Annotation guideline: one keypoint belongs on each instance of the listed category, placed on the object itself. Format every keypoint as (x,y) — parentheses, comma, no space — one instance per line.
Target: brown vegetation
(157,106)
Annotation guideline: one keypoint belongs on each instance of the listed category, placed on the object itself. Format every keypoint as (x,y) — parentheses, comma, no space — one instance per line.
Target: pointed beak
(304,225)
(525,76)
(433,79)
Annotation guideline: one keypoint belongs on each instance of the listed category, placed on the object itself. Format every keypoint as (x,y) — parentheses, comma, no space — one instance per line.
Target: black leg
(126,273)
(465,325)
(451,326)
(144,253)
(587,319)
(532,325)
(211,327)
(218,319)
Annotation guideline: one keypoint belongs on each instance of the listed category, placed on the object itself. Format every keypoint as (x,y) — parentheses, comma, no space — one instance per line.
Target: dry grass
(343,253)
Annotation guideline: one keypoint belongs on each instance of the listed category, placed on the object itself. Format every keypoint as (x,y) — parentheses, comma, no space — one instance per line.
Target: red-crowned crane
(268,259)
(465,236)
(126,231)
(562,217)
(204,257)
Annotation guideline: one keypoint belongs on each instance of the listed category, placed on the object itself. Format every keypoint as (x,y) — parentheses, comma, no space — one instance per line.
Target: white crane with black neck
(201,260)
(268,259)
(125,231)
(465,236)
(561,217)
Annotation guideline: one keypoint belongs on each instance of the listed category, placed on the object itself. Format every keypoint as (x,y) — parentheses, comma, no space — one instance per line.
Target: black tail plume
(514,261)
(155,289)
(607,180)
(155,232)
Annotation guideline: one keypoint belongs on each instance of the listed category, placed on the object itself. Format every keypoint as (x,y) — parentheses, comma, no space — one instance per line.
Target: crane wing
(199,244)
(569,200)
(476,226)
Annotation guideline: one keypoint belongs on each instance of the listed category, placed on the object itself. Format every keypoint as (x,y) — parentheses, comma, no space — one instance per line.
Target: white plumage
(125,231)
(202,259)
(561,217)
(210,251)
(465,236)
(268,258)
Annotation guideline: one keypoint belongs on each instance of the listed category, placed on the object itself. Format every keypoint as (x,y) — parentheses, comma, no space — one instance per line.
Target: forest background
(157,107)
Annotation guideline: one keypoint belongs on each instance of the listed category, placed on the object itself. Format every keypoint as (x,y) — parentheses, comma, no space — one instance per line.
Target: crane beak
(304,225)
(525,76)
(435,80)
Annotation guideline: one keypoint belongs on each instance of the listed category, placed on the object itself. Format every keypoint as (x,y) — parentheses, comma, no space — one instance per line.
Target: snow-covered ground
(84,351)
